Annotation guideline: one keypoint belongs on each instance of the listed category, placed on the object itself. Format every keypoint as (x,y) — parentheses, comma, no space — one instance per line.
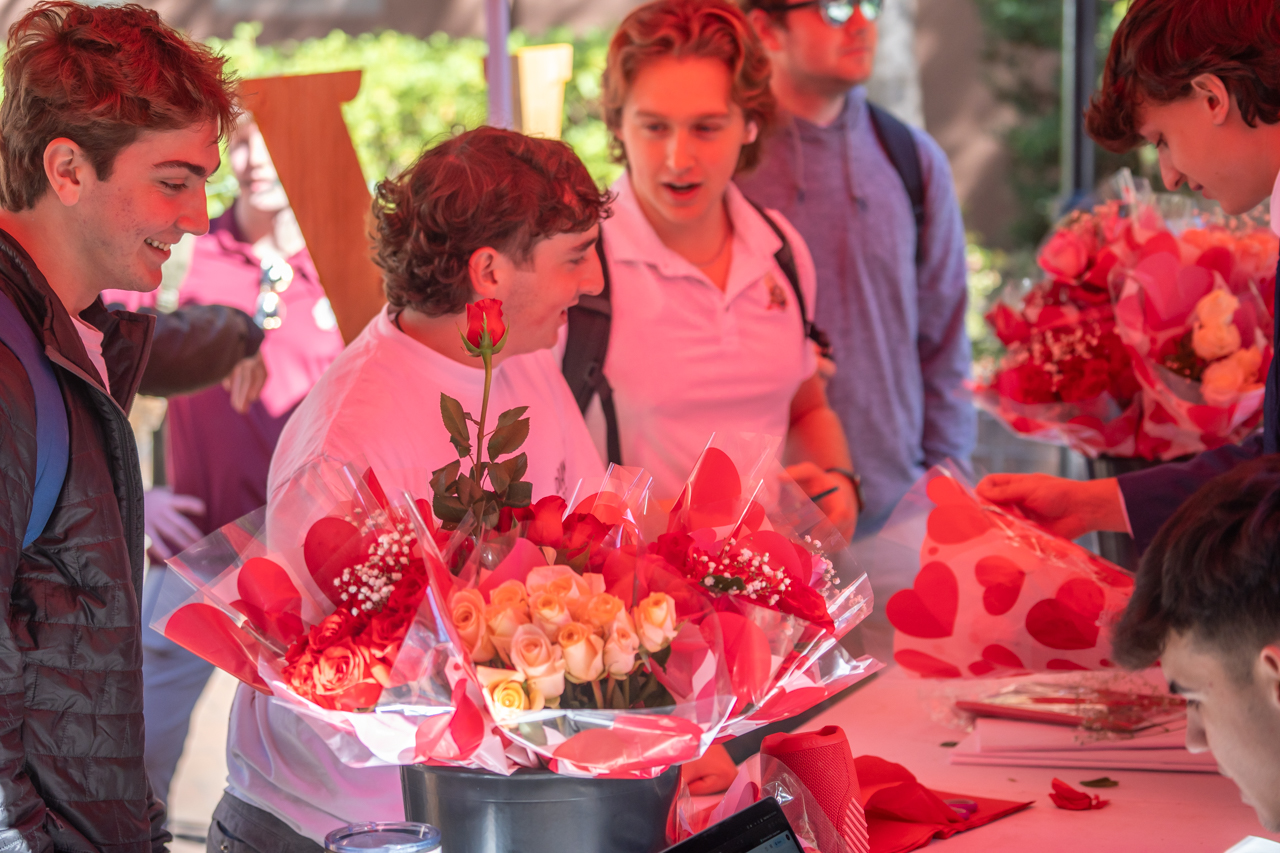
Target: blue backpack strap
(52,438)
(899,143)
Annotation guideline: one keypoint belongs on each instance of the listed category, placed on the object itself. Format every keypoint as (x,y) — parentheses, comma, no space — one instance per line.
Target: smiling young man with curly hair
(487,214)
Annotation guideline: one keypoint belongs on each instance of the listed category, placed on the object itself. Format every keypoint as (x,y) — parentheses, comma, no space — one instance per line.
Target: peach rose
(655,619)
(503,622)
(601,610)
(549,613)
(1217,307)
(467,609)
(583,652)
(1212,342)
(1223,380)
(562,581)
(508,593)
(621,647)
(541,663)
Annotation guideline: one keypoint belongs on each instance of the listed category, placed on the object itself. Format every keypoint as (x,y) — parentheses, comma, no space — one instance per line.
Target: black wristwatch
(857,485)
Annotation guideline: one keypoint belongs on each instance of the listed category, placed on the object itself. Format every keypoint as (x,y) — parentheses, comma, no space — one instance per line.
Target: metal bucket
(536,811)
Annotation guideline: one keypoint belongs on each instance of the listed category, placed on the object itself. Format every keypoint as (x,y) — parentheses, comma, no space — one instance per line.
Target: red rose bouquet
(594,636)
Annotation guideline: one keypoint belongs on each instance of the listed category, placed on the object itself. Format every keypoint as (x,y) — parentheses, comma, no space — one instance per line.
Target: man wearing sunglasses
(891,268)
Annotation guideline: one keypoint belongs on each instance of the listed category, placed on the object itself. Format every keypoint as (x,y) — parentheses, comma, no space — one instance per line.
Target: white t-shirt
(92,338)
(687,360)
(379,404)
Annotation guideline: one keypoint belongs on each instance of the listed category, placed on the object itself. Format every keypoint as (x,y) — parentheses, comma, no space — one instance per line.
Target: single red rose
(673,547)
(384,637)
(334,628)
(1067,254)
(546,527)
(344,679)
(485,315)
(1009,325)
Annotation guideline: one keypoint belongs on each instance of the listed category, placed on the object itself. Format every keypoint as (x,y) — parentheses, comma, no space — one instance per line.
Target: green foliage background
(415,91)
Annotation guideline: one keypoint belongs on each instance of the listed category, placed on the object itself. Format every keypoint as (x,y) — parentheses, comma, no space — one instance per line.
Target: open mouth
(682,191)
(157,245)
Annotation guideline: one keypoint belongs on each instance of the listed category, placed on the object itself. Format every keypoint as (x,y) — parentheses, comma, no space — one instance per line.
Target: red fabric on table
(904,815)
(823,761)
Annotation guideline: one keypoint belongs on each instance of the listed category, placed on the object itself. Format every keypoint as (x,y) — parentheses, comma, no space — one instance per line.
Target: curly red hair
(1162,45)
(99,76)
(711,29)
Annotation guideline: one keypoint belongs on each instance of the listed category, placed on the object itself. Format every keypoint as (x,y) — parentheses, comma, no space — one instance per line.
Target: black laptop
(761,828)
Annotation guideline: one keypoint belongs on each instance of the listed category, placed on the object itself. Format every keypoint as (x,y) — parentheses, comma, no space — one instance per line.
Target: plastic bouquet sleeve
(994,594)
(784,586)
(1200,341)
(336,620)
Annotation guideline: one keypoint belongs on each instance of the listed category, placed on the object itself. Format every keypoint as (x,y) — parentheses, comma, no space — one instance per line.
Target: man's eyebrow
(648,114)
(586,244)
(194,168)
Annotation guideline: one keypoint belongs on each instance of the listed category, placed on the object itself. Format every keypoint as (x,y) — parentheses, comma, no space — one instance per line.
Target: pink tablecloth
(1169,812)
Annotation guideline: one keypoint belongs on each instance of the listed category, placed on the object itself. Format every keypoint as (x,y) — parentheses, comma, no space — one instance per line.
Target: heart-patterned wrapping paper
(995,595)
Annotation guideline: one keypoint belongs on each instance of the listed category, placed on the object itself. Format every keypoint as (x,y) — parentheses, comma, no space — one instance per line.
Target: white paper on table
(1015,743)
(1254,844)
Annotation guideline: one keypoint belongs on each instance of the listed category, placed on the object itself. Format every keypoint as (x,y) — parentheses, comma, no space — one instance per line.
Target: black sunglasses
(835,12)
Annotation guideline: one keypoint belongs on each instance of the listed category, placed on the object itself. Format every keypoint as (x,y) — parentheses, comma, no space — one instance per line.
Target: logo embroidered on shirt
(777,296)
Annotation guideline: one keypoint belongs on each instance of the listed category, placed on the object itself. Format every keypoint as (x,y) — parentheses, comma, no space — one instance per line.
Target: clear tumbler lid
(383,837)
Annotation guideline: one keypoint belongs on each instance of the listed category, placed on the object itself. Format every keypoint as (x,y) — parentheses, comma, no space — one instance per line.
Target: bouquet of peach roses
(481,629)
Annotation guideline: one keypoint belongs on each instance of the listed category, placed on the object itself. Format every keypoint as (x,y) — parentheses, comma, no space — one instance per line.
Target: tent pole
(497,16)
(1079,72)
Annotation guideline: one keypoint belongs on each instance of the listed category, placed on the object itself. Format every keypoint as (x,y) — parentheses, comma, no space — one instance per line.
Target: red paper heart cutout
(746,651)
(995,657)
(956,518)
(716,491)
(269,599)
(332,544)
(206,631)
(928,609)
(1069,620)
(1002,580)
(926,665)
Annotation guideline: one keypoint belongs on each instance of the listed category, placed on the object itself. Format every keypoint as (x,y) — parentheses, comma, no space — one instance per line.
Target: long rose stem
(487,357)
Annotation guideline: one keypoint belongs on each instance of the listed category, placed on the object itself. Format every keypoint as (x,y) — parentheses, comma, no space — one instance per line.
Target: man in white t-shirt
(487,214)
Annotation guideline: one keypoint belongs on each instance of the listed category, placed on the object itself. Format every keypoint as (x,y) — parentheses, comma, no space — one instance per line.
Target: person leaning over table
(1199,80)
(892,283)
(487,214)
(708,332)
(109,128)
(1206,607)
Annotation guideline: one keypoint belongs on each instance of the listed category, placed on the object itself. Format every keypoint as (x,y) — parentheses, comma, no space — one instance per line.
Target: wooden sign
(301,122)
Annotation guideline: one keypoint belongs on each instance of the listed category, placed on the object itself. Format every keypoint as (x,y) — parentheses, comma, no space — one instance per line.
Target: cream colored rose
(583,652)
(1215,336)
(503,622)
(1223,380)
(655,620)
(601,610)
(549,613)
(1217,307)
(561,581)
(541,663)
(467,609)
(621,647)
(511,698)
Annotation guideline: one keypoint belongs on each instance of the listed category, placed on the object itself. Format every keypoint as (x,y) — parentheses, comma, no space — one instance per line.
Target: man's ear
(753,132)
(66,167)
(1216,97)
(1268,668)
(486,269)
(766,28)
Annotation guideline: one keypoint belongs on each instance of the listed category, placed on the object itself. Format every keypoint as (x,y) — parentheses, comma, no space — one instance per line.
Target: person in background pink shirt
(219,441)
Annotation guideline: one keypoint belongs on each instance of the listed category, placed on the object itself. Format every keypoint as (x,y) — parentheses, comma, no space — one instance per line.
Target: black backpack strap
(900,144)
(786,259)
(586,347)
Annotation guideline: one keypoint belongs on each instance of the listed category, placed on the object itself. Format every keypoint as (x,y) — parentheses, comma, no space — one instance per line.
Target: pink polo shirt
(687,360)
